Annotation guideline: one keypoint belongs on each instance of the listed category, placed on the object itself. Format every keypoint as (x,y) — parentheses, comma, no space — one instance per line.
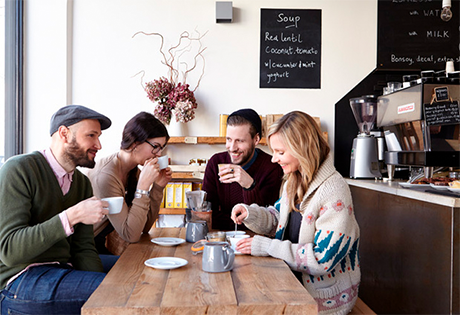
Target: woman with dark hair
(144,138)
(312,225)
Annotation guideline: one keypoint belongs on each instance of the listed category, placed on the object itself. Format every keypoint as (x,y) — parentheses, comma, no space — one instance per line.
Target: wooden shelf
(203,140)
(172,211)
(212,140)
(220,140)
(188,176)
(188,172)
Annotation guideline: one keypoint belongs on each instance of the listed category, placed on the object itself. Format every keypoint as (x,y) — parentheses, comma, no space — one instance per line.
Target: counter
(409,248)
(394,188)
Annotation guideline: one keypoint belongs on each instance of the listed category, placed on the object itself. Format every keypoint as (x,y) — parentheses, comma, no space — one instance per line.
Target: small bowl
(233,233)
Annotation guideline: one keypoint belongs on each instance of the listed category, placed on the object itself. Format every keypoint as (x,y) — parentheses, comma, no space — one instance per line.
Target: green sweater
(30,228)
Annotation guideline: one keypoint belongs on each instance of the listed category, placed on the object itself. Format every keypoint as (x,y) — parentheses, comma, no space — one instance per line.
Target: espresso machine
(416,135)
(364,162)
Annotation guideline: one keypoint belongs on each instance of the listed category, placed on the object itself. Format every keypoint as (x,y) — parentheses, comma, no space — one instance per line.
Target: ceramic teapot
(196,230)
(217,257)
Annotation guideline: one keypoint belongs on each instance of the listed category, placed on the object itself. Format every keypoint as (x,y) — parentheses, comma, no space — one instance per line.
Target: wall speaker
(224,11)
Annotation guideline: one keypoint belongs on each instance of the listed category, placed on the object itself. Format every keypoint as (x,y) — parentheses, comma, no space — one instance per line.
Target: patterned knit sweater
(327,253)
(223,197)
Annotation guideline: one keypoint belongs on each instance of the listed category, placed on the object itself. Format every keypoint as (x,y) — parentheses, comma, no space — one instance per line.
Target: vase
(177,129)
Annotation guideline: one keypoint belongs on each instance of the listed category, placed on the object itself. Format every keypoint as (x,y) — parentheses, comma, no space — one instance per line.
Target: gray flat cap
(71,114)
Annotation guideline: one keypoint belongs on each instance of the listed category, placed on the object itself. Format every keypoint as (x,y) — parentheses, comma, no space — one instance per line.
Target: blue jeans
(49,289)
(108,261)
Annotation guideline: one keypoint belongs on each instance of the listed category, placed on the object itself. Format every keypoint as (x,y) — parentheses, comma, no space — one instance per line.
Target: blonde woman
(313,224)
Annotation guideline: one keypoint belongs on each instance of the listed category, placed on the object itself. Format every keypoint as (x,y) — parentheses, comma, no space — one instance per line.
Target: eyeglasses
(156,147)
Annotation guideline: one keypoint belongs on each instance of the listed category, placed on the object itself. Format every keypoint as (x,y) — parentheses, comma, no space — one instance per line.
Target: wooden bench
(361,308)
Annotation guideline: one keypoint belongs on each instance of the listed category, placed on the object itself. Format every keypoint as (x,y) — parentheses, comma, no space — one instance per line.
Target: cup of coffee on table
(115,204)
(235,239)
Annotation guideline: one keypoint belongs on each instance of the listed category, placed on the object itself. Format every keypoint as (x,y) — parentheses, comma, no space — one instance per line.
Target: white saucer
(165,262)
(409,185)
(455,190)
(167,241)
(439,187)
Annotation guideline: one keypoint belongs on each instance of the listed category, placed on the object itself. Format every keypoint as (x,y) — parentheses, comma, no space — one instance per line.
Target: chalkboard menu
(442,113)
(290,48)
(441,94)
(411,35)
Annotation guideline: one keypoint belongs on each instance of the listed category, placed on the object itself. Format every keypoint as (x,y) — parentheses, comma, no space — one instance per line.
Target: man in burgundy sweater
(248,175)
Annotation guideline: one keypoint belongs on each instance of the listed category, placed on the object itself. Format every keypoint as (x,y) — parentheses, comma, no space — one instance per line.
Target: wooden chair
(115,244)
(361,308)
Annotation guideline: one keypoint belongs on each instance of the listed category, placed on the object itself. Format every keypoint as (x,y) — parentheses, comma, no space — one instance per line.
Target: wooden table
(256,285)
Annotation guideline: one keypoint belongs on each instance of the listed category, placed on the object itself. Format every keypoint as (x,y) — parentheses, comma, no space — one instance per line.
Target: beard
(79,157)
(243,159)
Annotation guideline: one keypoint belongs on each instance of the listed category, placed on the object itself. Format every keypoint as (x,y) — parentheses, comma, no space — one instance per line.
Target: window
(2,82)
(12,78)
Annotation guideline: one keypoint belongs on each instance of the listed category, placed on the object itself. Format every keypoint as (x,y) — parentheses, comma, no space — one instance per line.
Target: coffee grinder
(364,161)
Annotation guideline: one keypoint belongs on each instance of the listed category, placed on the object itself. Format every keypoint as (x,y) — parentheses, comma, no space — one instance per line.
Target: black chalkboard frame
(441,94)
(412,36)
(299,66)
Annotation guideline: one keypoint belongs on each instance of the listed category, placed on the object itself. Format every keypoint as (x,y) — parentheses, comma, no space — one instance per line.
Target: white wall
(104,57)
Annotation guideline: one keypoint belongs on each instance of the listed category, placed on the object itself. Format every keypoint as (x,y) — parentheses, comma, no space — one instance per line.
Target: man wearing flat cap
(48,262)
(247,174)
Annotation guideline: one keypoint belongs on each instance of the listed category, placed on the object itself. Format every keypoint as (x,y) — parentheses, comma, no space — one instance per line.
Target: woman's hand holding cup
(165,177)
(149,174)
(244,245)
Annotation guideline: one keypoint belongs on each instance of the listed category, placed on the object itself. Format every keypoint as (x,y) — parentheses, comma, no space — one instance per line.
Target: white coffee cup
(163,162)
(115,204)
(235,239)
(450,66)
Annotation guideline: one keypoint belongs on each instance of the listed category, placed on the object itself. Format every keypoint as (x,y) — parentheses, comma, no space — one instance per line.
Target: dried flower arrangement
(171,95)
